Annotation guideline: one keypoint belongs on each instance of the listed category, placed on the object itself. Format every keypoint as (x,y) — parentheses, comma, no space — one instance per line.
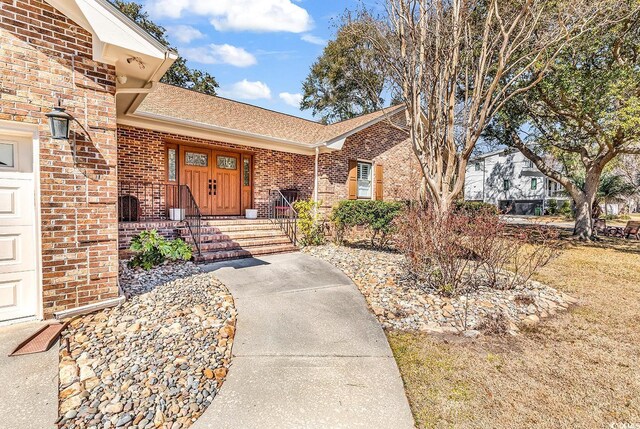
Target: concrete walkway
(307,352)
(29,396)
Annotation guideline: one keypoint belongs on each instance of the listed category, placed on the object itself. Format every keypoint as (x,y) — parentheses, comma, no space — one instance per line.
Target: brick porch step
(222,255)
(244,243)
(243,235)
(223,239)
(241,221)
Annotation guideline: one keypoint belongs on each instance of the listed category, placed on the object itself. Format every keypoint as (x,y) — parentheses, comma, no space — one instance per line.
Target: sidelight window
(171,167)
(246,172)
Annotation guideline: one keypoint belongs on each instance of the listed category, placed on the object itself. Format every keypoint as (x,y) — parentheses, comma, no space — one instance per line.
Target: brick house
(142,154)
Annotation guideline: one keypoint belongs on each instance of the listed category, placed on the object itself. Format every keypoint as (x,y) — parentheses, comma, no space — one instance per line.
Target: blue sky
(260,51)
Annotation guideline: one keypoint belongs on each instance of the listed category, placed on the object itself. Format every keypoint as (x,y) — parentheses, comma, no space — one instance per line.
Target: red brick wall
(381,144)
(141,157)
(45,56)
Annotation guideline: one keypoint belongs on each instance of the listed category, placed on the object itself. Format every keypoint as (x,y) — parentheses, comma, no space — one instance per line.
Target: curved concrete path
(307,352)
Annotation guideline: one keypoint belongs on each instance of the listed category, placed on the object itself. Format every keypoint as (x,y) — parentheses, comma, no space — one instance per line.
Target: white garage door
(18,250)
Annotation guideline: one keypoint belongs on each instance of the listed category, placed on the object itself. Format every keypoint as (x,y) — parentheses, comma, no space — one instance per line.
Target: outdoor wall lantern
(59,122)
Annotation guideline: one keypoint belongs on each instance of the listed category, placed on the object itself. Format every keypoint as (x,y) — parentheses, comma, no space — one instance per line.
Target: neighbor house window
(365,179)
(534,184)
(506,184)
(478,166)
(529,163)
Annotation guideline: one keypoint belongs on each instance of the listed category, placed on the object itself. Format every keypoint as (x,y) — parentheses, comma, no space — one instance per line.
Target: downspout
(315,180)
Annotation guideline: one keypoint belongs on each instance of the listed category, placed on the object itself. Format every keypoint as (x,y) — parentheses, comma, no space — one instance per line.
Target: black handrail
(281,211)
(192,216)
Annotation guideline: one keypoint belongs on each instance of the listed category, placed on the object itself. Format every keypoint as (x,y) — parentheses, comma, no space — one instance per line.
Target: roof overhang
(138,58)
(336,143)
(183,127)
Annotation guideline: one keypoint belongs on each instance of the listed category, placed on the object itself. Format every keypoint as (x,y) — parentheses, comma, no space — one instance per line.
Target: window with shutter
(365,179)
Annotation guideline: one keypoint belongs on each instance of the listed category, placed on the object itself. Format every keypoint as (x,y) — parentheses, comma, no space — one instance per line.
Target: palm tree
(613,187)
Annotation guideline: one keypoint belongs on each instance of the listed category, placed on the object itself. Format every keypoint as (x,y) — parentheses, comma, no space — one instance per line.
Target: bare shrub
(456,252)
(509,256)
(494,324)
(436,248)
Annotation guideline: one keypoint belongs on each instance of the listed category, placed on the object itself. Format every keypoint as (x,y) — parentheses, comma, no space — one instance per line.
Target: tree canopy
(179,73)
(585,112)
(346,81)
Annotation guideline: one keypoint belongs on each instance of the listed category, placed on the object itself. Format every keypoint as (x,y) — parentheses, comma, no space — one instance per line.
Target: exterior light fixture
(59,122)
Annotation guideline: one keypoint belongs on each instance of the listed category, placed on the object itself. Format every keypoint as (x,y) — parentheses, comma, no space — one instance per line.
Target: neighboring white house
(507,179)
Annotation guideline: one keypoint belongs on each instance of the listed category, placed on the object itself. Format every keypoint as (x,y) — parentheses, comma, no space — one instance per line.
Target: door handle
(210,187)
(215,187)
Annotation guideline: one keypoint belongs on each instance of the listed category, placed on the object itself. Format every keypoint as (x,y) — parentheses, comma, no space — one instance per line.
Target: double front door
(214,178)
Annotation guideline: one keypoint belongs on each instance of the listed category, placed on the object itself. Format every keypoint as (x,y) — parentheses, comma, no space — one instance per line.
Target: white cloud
(310,38)
(291,99)
(220,54)
(239,15)
(246,90)
(184,33)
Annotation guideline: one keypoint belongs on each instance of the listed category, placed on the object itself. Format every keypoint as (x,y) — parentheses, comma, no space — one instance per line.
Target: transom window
(365,179)
(6,155)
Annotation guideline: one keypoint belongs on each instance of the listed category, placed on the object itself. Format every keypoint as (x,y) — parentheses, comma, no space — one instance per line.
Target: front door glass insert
(227,162)
(196,159)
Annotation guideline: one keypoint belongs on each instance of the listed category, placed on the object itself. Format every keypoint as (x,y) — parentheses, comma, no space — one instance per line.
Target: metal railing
(146,201)
(192,215)
(281,211)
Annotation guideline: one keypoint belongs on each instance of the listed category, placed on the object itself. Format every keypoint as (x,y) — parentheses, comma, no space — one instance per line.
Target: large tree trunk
(583,227)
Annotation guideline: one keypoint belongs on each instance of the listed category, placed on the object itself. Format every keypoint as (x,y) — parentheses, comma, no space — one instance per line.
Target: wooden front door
(214,179)
(226,183)
(195,171)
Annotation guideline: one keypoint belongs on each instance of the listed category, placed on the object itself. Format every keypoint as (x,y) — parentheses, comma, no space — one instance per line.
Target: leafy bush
(310,226)
(457,252)
(553,207)
(565,209)
(376,216)
(472,207)
(153,249)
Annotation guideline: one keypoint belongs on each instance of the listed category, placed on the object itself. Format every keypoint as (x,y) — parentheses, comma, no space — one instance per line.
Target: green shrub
(565,209)
(553,207)
(376,216)
(475,207)
(153,249)
(310,226)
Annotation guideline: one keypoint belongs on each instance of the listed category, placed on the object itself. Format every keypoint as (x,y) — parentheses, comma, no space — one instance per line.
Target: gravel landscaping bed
(156,361)
(399,304)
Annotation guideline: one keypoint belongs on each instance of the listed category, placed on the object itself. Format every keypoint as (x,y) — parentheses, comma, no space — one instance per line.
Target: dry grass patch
(579,370)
